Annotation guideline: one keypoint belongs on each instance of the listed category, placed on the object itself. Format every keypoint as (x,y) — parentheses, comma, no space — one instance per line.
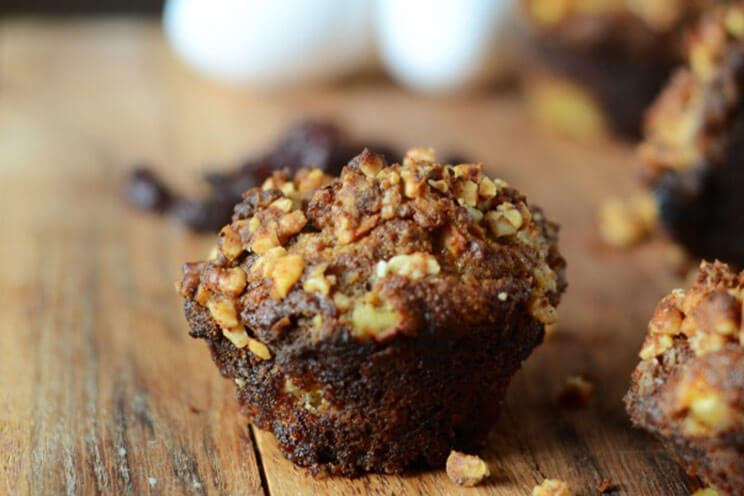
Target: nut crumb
(466,470)
(552,487)
(576,392)
(626,222)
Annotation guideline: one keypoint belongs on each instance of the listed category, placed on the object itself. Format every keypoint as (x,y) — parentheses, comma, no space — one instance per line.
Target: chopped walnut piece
(318,282)
(413,266)
(231,246)
(374,321)
(467,193)
(312,180)
(237,336)
(230,281)
(412,183)
(466,470)
(291,224)
(265,241)
(552,487)
(224,313)
(655,345)
(667,319)
(419,155)
(439,185)
(283,204)
(286,272)
(487,188)
(718,313)
(506,220)
(706,408)
(341,301)
(545,277)
(259,349)
(371,164)
(625,222)
(202,295)
(543,311)
(576,392)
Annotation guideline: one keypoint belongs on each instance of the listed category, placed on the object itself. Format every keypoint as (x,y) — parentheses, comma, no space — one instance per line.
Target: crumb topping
(707,319)
(685,125)
(353,251)
(707,316)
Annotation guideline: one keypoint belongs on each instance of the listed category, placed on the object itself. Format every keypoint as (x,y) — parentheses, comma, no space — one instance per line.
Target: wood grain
(102,391)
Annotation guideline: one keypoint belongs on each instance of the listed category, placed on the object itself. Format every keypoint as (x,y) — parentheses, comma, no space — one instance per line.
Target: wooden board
(102,390)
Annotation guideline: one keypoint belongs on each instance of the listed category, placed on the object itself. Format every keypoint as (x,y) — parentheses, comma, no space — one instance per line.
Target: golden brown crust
(385,307)
(689,387)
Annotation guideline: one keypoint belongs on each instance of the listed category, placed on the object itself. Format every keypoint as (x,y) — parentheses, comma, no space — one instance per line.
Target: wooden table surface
(101,388)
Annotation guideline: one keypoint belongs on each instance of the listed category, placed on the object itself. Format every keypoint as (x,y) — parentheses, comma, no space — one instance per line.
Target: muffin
(600,63)
(373,321)
(694,143)
(688,389)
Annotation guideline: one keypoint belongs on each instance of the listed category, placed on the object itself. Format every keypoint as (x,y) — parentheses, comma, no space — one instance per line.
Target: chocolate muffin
(600,63)
(694,146)
(373,321)
(688,389)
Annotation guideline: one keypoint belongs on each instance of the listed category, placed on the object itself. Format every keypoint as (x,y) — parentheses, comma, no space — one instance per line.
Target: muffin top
(637,25)
(690,120)
(693,356)
(383,250)
(706,316)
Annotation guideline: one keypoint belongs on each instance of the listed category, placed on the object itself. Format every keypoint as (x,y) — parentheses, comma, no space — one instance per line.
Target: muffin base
(357,407)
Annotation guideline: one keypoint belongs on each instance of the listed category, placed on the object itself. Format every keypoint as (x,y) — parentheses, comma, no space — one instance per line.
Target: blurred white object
(438,46)
(271,43)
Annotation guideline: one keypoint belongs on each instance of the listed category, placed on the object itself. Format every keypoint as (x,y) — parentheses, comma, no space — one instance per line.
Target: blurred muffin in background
(597,64)
(693,148)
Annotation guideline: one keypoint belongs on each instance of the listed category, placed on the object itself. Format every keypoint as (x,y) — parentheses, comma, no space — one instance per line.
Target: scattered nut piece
(341,301)
(625,222)
(466,470)
(576,392)
(552,487)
